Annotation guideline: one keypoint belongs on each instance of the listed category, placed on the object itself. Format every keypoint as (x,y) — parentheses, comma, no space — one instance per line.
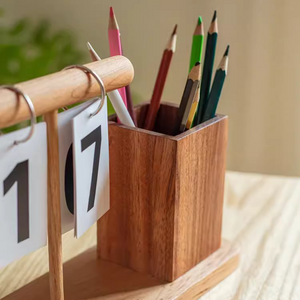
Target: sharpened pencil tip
(174,30)
(112,23)
(215,16)
(111,12)
(199,20)
(197,63)
(92,51)
(226,51)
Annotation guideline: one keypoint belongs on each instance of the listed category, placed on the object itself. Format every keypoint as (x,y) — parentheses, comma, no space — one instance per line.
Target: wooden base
(86,277)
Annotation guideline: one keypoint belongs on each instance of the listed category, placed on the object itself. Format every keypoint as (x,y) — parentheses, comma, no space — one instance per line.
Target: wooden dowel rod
(54,213)
(64,88)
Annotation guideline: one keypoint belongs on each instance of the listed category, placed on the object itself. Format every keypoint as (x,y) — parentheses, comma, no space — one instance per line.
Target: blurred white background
(261,93)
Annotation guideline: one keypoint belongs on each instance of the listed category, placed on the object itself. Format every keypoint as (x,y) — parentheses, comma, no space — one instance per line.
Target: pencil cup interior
(165,121)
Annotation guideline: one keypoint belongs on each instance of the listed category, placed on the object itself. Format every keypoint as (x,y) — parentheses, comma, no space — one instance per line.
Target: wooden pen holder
(166,195)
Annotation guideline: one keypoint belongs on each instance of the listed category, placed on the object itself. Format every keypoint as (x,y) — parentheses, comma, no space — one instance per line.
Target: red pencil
(160,81)
(115,44)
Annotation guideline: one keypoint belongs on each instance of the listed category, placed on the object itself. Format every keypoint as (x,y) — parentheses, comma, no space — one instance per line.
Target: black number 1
(20,175)
(94,137)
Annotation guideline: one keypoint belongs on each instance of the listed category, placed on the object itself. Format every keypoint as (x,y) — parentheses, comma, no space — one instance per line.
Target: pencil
(130,104)
(197,44)
(216,89)
(189,93)
(194,104)
(196,55)
(114,96)
(160,81)
(94,55)
(115,45)
(210,50)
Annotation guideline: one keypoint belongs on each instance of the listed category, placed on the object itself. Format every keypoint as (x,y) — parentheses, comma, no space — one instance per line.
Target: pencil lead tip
(215,16)
(226,51)
(197,63)
(199,20)
(175,30)
(111,12)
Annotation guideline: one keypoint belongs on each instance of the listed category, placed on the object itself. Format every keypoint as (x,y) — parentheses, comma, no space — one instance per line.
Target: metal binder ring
(98,79)
(31,108)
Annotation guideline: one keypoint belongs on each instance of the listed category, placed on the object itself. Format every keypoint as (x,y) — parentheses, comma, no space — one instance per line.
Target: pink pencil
(115,45)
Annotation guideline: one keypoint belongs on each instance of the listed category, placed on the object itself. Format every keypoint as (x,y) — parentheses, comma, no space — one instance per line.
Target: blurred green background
(261,93)
(29,50)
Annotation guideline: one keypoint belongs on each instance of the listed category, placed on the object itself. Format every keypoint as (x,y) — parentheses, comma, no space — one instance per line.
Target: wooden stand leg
(54,214)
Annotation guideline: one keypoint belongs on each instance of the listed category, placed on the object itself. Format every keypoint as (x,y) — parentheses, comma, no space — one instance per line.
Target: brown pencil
(160,81)
(130,104)
(189,93)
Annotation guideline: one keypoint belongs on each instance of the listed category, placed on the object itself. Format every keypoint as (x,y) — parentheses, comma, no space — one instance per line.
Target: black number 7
(94,137)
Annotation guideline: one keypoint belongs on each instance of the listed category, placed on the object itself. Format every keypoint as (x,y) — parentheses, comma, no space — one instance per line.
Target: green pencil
(197,44)
(216,89)
(196,55)
(210,50)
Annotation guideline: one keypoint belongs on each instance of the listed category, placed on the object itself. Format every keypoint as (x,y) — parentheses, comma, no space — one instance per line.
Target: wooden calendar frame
(99,279)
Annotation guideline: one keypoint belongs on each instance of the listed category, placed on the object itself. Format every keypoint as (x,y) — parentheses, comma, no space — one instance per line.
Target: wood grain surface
(200,173)
(137,232)
(64,88)
(261,214)
(87,277)
(54,213)
(166,197)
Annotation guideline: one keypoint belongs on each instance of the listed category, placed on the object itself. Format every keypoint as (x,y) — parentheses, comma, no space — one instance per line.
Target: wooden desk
(261,214)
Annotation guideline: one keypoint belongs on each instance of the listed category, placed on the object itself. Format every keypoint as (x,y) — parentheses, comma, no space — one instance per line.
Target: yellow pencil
(194,104)
(190,90)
